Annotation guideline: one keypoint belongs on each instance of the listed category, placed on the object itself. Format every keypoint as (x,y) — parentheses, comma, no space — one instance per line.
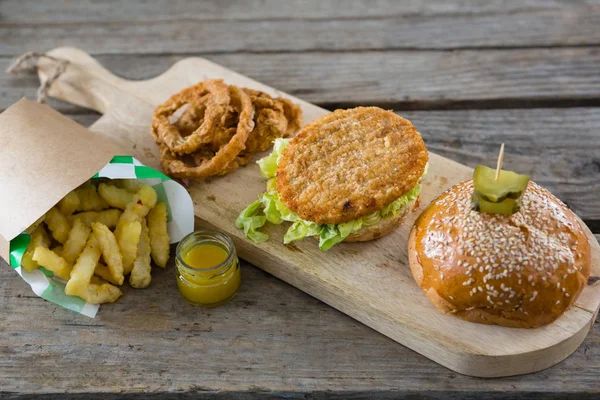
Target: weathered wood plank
(271,339)
(395,79)
(573,26)
(197,27)
(34,11)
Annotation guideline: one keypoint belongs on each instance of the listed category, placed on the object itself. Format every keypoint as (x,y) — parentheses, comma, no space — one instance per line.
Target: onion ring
(189,121)
(161,127)
(274,118)
(242,103)
(170,135)
(220,128)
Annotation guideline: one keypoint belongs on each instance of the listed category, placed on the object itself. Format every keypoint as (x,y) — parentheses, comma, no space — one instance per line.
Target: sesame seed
(533,296)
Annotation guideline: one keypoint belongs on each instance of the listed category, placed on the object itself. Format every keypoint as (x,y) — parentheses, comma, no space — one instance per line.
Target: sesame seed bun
(350,163)
(522,271)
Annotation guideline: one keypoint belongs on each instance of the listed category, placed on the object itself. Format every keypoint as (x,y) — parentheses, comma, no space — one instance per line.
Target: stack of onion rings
(219,127)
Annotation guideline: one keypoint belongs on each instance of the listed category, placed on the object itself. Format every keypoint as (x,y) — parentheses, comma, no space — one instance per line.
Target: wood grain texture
(369,282)
(57,11)
(272,340)
(196,27)
(395,79)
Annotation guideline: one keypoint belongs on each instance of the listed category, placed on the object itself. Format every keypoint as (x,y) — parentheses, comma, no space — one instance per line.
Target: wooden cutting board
(370,281)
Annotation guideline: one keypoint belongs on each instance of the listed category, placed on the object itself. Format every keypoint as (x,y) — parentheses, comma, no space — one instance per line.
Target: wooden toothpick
(500,160)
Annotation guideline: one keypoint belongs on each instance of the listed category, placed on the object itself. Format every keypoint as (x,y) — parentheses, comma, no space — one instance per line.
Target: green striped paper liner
(180,223)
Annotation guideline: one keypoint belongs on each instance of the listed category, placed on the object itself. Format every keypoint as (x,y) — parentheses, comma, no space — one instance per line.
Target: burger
(351,175)
(488,253)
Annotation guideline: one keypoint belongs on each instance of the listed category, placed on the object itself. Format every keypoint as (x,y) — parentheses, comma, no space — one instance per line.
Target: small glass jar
(208,287)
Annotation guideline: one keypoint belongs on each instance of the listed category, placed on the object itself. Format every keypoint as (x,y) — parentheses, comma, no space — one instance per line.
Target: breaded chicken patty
(350,163)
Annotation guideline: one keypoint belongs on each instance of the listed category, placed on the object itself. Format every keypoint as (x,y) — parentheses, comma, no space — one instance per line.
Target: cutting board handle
(85,82)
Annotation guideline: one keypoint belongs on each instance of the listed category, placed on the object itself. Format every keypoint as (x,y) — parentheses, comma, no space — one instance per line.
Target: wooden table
(469,74)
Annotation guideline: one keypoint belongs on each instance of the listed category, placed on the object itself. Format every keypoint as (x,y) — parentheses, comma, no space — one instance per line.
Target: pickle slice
(504,207)
(509,185)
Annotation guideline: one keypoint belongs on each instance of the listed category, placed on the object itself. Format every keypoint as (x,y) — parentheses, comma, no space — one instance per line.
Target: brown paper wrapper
(43,156)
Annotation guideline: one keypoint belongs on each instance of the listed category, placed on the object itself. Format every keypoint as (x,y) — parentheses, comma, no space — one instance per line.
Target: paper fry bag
(43,156)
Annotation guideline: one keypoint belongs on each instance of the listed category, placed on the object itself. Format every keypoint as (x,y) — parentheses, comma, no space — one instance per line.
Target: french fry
(131,185)
(103,272)
(110,251)
(58,224)
(100,294)
(114,196)
(89,255)
(89,198)
(140,274)
(78,237)
(146,195)
(128,238)
(159,237)
(39,238)
(106,217)
(135,211)
(69,204)
(52,262)
(83,270)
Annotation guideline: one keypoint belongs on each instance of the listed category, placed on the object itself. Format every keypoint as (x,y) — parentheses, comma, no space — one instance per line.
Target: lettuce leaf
(269,203)
(268,165)
(371,219)
(250,220)
(301,229)
(333,234)
(399,204)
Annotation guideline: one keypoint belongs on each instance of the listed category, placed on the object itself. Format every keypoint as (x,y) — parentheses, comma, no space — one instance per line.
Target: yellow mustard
(208,269)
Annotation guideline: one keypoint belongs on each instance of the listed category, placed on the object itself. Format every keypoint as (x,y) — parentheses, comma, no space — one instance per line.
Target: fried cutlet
(350,163)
